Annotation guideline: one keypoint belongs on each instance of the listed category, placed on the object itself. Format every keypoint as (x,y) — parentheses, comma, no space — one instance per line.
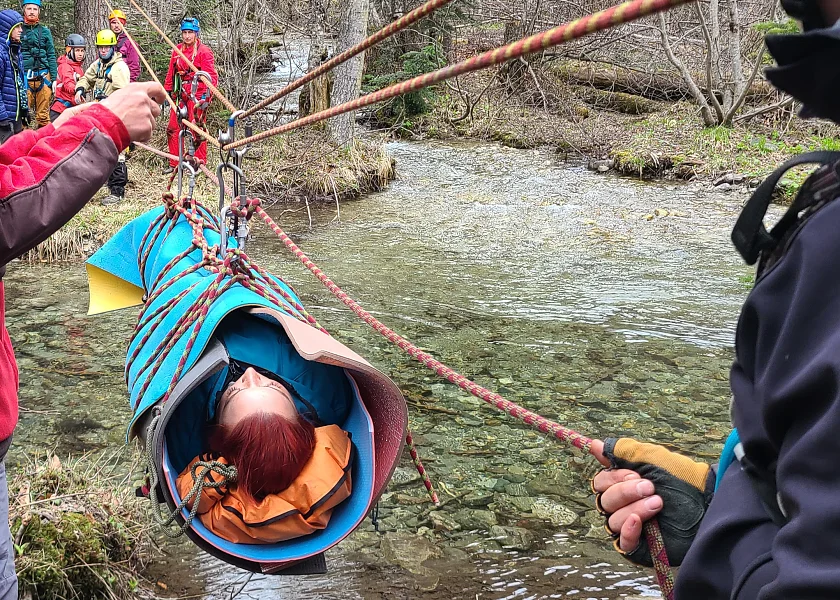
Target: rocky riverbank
(641,136)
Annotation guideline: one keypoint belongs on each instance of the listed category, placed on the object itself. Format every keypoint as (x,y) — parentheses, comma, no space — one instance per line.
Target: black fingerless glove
(685,486)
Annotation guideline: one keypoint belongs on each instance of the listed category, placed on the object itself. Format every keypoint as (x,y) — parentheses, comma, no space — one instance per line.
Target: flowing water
(602,303)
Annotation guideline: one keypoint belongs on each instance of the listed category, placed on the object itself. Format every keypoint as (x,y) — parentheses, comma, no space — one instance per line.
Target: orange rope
(605,19)
(195,69)
(153,150)
(383,34)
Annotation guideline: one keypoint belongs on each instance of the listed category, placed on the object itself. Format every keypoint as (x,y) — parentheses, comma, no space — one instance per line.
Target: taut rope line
(605,19)
(228,104)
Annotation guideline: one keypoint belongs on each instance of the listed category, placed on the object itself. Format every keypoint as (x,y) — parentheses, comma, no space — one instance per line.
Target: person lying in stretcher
(273,415)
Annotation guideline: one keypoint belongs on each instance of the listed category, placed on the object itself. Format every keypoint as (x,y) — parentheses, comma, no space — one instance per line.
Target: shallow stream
(602,303)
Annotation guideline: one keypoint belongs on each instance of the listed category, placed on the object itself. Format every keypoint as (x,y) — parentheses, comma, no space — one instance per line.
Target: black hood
(808,68)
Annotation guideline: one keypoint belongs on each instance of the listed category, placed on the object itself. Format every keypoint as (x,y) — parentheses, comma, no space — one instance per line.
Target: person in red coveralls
(46,177)
(178,84)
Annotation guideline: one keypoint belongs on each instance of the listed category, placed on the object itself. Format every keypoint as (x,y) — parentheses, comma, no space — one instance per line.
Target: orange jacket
(302,508)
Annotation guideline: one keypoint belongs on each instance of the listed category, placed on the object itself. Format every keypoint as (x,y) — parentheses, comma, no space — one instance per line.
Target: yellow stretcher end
(109,292)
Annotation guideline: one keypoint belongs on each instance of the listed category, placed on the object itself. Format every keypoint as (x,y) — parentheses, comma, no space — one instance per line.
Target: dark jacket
(786,387)
(12,85)
(46,177)
(38,50)
(130,55)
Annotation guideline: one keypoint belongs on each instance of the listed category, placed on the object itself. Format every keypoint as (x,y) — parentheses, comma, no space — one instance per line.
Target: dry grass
(306,165)
(79,532)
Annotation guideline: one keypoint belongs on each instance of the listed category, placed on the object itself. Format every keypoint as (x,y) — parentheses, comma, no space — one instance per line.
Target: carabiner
(225,210)
(194,84)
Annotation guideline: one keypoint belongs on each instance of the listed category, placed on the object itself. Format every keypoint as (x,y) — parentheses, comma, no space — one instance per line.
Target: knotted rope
(201,480)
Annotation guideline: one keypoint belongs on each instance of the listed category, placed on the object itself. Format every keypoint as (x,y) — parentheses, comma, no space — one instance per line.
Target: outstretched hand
(137,105)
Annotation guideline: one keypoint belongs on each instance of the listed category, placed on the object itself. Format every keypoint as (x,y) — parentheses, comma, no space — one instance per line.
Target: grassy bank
(78,530)
(304,167)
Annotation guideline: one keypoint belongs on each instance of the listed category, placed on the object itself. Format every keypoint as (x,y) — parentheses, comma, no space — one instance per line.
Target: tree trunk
(348,76)
(88,18)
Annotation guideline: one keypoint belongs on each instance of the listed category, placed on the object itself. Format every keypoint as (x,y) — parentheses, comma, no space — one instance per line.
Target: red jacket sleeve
(169,83)
(47,176)
(66,78)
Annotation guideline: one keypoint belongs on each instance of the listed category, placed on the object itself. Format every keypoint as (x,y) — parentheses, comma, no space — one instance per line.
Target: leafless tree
(348,76)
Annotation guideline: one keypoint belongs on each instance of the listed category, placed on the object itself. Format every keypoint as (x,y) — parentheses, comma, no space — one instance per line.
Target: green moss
(77,535)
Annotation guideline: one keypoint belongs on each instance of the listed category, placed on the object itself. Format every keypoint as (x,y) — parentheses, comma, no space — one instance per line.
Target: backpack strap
(764,483)
(749,235)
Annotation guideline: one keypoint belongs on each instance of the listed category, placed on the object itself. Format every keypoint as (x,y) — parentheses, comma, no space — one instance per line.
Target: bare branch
(698,96)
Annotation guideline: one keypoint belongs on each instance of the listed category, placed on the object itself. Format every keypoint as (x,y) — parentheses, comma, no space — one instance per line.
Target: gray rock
(516,489)
(469,518)
(408,551)
(515,538)
(478,498)
(723,187)
(559,515)
(514,505)
(443,522)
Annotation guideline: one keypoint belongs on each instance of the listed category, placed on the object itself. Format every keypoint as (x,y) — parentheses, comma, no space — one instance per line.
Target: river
(603,303)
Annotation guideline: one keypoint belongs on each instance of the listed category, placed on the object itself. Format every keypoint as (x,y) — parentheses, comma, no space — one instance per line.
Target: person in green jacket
(38,61)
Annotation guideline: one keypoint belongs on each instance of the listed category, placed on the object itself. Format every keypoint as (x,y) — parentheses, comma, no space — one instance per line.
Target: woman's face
(251,394)
(188,37)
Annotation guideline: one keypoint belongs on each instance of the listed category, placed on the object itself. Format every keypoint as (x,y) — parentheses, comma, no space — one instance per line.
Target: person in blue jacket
(13,105)
(768,526)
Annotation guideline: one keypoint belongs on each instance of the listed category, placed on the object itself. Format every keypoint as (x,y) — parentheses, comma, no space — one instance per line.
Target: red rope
(605,19)
(652,532)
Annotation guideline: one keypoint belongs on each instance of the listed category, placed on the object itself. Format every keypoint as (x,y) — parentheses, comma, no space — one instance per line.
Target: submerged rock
(559,515)
(470,518)
(515,538)
(409,551)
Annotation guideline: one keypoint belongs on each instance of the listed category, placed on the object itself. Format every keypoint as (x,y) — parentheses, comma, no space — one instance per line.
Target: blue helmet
(35,2)
(189,24)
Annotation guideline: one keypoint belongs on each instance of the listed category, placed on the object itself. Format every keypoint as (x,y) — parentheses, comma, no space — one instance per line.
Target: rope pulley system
(236,209)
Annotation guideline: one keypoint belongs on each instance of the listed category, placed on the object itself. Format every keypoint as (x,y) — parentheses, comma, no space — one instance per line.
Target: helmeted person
(107,74)
(70,70)
(39,62)
(765,521)
(117,21)
(179,79)
(13,105)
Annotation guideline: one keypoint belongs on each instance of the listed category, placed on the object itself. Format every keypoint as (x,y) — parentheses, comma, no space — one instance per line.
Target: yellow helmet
(117,14)
(106,37)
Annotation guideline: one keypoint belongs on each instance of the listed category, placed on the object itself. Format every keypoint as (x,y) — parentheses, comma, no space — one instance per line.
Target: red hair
(268,450)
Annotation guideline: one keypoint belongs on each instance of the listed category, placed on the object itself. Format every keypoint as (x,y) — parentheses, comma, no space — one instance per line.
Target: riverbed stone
(478,498)
(515,538)
(470,518)
(558,514)
(443,522)
(516,489)
(409,551)
(512,505)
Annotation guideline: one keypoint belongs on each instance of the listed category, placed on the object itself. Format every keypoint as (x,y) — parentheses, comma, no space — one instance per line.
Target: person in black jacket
(767,526)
